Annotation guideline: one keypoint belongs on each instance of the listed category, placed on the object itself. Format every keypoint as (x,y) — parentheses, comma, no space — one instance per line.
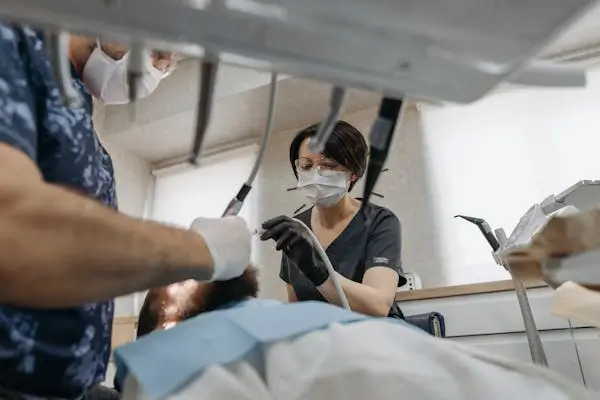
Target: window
(180,197)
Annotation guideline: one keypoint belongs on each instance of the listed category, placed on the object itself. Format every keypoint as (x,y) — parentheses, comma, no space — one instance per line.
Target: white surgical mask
(106,78)
(324,188)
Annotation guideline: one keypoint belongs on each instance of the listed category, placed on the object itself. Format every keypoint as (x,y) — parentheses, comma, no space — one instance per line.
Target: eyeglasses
(306,164)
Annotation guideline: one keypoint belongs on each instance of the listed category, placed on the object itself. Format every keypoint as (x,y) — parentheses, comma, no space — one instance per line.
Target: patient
(165,306)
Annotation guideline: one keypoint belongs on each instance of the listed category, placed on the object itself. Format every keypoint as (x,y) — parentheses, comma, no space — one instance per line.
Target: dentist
(65,251)
(363,245)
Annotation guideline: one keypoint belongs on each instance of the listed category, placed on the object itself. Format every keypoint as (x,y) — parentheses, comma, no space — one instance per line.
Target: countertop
(462,290)
(423,294)
(124,327)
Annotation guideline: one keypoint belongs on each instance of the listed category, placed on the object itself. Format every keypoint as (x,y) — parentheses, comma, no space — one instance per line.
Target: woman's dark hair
(346,146)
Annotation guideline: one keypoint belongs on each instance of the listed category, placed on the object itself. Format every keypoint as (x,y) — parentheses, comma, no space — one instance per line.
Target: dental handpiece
(57,44)
(208,79)
(135,69)
(485,229)
(257,232)
(317,143)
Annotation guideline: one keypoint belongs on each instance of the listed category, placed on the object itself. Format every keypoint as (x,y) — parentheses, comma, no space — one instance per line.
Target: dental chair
(432,323)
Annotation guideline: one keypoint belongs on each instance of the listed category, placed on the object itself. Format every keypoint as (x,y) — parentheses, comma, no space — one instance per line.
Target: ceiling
(235,118)
(160,128)
(583,33)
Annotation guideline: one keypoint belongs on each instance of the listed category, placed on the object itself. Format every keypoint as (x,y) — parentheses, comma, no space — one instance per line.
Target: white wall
(496,158)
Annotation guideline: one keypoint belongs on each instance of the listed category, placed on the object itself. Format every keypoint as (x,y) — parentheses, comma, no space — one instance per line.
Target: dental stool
(432,323)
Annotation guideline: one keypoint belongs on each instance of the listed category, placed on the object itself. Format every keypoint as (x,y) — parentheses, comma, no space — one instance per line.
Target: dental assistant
(65,252)
(364,245)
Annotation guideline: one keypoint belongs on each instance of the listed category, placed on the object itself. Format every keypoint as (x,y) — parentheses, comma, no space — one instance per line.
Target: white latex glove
(229,241)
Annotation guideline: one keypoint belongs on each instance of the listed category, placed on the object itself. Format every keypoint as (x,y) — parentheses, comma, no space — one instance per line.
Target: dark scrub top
(371,239)
(60,352)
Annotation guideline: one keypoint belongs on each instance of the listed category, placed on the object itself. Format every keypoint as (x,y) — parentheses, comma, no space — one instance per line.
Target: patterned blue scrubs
(61,352)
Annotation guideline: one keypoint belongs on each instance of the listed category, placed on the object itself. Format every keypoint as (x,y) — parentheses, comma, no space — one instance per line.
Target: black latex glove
(295,242)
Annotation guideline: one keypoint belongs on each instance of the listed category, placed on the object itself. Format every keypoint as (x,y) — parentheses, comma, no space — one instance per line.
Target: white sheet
(375,360)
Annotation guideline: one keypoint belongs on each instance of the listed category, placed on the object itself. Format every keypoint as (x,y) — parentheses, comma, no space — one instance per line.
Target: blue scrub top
(60,352)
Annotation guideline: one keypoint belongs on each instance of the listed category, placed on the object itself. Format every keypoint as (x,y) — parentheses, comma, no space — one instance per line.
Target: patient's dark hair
(346,146)
(208,297)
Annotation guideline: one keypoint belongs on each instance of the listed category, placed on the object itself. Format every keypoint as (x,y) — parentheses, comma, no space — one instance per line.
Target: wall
(496,158)
(405,189)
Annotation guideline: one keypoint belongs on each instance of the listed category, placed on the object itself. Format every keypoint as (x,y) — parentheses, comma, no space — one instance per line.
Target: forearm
(60,249)
(361,297)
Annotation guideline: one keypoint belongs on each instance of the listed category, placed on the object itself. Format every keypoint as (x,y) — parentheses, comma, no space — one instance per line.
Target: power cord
(235,205)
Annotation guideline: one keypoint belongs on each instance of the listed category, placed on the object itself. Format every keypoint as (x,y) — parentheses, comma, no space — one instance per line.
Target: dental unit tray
(456,50)
(582,268)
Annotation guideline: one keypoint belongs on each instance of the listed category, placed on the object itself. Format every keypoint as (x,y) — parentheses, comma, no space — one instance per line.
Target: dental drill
(135,69)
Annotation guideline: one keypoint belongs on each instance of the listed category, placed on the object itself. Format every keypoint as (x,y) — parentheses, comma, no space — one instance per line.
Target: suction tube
(536,347)
(496,241)
(235,205)
(328,265)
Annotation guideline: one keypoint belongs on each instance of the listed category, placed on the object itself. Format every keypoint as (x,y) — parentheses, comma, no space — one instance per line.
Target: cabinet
(123,332)
(558,345)
(588,344)
(492,321)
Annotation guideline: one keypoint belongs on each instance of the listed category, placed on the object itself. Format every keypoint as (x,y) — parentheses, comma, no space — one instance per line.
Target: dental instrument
(328,265)
(316,144)
(135,69)
(208,80)
(57,44)
(235,205)
(326,261)
(380,141)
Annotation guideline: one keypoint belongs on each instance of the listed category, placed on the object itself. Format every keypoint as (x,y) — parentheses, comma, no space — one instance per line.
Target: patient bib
(164,361)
